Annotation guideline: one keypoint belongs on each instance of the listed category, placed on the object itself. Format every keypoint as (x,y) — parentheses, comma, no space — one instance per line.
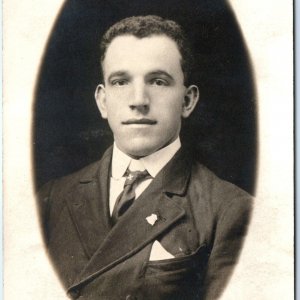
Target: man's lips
(142,121)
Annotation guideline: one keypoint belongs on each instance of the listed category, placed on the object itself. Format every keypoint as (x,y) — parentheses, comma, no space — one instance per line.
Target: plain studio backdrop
(265,270)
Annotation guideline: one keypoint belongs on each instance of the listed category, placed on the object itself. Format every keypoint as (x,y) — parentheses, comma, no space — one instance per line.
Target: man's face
(144,97)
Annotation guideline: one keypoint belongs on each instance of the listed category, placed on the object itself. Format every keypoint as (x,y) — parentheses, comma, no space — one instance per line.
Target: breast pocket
(176,278)
(178,266)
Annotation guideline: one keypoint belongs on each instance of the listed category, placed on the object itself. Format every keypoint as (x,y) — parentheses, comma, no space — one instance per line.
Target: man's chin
(137,148)
(139,151)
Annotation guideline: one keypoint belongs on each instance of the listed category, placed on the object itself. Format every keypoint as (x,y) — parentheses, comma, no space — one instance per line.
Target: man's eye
(159,82)
(119,82)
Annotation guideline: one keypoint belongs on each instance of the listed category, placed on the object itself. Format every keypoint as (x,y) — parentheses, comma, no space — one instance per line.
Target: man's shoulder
(212,182)
(51,196)
(84,175)
(217,192)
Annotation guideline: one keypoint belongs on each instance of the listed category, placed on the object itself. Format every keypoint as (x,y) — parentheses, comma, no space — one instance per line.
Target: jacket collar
(175,173)
(88,205)
(103,165)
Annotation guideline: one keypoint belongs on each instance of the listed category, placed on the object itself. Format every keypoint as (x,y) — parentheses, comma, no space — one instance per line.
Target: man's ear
(101,100)
(190,100)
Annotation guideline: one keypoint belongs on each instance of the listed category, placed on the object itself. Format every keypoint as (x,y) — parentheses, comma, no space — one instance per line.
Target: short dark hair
(145,26)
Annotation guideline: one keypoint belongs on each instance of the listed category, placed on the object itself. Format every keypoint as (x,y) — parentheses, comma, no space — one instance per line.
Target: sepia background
(266,267)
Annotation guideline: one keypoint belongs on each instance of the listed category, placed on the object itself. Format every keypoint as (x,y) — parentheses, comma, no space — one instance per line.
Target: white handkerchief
(158,252)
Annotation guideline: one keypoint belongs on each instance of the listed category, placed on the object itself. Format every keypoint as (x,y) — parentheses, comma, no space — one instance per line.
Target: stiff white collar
(153,163)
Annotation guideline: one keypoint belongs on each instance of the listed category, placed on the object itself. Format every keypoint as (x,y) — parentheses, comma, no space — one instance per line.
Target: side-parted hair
(145,26)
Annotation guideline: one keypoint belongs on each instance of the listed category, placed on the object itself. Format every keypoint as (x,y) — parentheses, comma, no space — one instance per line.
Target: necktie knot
(126,198)
(135,177)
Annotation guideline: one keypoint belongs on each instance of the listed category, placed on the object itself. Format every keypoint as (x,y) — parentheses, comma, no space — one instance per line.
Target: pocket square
(158,252)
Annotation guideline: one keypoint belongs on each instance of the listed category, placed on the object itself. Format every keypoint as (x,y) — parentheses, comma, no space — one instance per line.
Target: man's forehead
(129,49)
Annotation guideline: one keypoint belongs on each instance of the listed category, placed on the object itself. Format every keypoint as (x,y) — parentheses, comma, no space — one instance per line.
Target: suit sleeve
(231,229)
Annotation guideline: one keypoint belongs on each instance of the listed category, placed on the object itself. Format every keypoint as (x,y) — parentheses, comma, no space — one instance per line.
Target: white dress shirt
(153,163)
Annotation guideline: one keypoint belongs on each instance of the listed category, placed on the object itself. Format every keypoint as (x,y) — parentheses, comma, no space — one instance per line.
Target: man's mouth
(143,121)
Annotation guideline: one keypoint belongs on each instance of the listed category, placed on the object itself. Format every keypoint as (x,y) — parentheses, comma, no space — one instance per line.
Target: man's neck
(153,162)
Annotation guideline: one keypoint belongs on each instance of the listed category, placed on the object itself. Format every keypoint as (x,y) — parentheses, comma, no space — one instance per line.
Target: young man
(145,222)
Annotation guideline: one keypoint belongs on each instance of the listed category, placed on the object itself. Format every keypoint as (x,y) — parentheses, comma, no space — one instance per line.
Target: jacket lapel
(133,231)
(88,205)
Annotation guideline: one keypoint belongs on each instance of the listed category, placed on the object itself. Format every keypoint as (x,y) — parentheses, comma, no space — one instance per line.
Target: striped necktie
(127,196)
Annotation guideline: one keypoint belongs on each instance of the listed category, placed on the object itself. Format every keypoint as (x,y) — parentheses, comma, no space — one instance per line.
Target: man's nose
(140,97)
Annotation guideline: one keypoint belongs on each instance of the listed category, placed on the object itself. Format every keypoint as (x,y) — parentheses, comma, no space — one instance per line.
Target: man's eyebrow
(116,74)
(161,72)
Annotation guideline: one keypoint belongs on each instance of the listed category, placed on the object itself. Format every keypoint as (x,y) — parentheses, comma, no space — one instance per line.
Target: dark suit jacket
(202,220)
